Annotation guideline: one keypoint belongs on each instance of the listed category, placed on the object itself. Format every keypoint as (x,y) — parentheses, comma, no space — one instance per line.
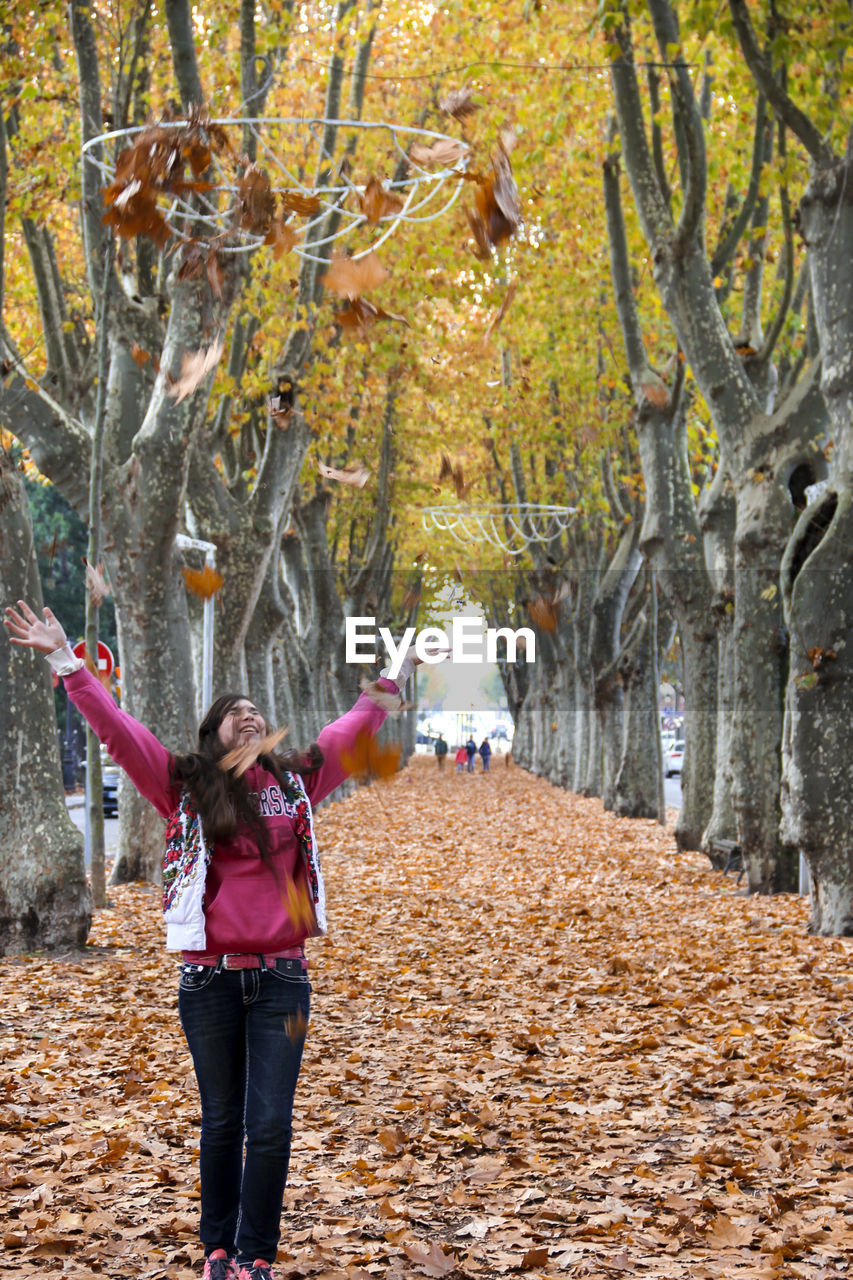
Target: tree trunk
(817,790)
(608,695)
(44,898)
(637,785)
(817,582)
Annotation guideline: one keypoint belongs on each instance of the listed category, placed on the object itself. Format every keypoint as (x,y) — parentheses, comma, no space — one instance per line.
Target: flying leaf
(655,392)
(543,613)
(281,237)
(445,152)
(299,203)
(360,314)
(458,103)
(377,203)
(350,277)
(354,475)
(296,898)
(141,357)
(367,758)
(452,469)
(257,200)
(195,366)
(96,584)
(497,212)
(203,583)
(497,318)
(241,758)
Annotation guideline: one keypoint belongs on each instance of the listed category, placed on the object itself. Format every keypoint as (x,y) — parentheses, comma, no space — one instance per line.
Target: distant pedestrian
(461,758)
(485,754)
(470,751)
(440,752)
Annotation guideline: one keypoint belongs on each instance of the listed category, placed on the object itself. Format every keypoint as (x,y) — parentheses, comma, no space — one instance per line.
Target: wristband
(400,679)
(63,662)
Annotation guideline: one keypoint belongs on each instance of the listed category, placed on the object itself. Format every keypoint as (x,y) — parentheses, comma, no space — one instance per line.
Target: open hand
(26,628)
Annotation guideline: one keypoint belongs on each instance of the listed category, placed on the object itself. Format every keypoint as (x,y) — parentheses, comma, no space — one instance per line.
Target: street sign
(106,661)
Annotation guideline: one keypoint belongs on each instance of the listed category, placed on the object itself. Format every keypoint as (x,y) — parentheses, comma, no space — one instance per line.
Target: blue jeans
(246,1030)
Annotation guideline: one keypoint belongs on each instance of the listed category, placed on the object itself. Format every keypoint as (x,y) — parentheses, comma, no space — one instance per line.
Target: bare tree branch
(785,108)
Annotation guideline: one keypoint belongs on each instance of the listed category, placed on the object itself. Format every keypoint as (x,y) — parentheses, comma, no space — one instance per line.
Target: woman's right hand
(28,629)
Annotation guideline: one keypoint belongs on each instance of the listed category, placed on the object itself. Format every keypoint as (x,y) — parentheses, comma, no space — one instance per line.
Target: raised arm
(336,739)
(133,747)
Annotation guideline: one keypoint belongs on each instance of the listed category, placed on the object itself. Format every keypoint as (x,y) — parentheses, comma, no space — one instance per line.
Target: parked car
(673,760)
(109,783)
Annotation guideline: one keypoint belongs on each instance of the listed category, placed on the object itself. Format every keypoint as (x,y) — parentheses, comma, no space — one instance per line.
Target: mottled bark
(44,897)
(817,580)
(604,645)
(636,790)
(717,520)
(670,541)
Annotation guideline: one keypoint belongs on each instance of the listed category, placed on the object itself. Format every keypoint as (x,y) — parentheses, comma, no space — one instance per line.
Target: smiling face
(241,724)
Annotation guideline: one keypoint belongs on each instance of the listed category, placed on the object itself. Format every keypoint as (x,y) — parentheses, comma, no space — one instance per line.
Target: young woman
(242,891)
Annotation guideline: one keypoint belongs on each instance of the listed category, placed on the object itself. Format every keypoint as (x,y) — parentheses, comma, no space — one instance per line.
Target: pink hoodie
(245,897)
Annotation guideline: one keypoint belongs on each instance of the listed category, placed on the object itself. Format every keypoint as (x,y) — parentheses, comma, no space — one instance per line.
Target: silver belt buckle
(226,958)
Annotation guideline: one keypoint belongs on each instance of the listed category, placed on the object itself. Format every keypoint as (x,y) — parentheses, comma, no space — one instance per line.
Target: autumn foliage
(542,1042)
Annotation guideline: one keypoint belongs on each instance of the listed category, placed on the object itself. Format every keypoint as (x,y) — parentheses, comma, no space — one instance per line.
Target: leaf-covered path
(541,1041)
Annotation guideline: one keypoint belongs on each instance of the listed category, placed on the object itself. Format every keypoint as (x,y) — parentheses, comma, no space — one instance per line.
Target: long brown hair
(223,800)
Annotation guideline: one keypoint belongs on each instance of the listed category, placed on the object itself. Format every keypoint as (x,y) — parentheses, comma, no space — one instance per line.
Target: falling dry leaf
(257,200)
(655,392)
(368,758)
(497,318)
(543,613)
(298,903)
(446,152)
(359,314)
(354,475)
(96,584)
(281,237)
(453,470)
(458,103)
(141,357)
(497,212)
(299,203)
(377,203)
(195,366)
(241,758)
(203,583)
(350,277)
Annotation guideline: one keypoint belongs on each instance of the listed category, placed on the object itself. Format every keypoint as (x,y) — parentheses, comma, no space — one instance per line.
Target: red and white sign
(106,661)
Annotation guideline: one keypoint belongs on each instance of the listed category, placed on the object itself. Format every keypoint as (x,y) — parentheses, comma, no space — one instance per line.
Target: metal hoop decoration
(502,526)
(287,145)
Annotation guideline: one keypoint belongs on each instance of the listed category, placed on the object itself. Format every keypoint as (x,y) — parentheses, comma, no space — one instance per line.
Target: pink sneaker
(259,1270)
(218,1266)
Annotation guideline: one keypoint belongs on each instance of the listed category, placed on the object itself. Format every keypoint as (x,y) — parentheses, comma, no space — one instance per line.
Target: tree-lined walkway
(541,1041)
